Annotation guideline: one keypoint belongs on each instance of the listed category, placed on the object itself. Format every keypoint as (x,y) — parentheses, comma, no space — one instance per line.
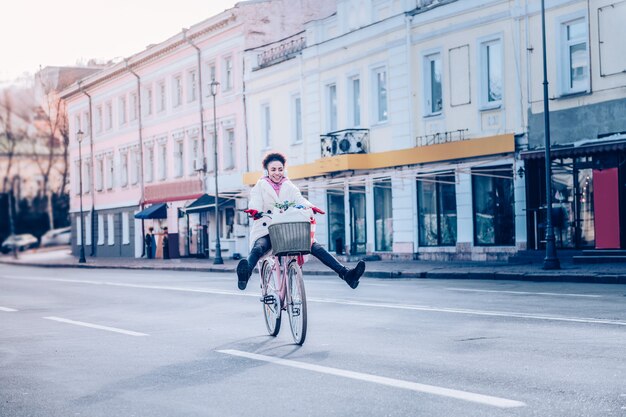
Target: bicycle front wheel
(270,298)
(297,303)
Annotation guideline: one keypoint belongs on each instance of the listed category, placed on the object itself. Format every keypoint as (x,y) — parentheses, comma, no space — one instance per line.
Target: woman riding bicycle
(274,188)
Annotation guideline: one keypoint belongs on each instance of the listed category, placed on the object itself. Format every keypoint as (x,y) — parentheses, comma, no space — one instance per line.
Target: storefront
(199,215)
(588,196)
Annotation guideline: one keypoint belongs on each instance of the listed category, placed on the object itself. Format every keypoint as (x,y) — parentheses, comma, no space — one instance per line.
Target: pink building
(149,148)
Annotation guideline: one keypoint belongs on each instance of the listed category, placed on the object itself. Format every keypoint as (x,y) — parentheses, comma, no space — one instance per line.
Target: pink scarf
(276,186)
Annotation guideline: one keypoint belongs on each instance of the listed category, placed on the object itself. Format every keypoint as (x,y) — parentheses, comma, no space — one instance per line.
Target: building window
(100,229)
(147,110)
(99,119)
(212,73)
(110,172)
(150,164)
(192,86)
(331,105)
(88,175)
(177,91)
(86,124)
(122,110)
(135,166)
(210,160)
(162,96)
(125,229)
(178,158)
(437,219)
(229,149)
(574,56)
(491,72)
(110,229)
(354,108)
(432,84)
(134,106)
(228,73)
(99,174)
(267,125)
(380,94)
(124,166)
(194,157)
(336,221)
(88,229)
(493,201)
(79,230)
(108,115)
(383,216)
(163,161)
(296,103)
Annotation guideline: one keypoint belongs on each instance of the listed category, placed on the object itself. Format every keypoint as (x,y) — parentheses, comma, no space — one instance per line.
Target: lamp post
(79,138)
(13,214)
(550,261)
(218,248)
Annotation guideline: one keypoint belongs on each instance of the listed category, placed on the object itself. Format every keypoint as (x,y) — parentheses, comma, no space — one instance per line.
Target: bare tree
(10,133)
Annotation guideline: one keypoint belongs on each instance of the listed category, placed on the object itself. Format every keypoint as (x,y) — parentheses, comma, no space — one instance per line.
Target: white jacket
(263,197)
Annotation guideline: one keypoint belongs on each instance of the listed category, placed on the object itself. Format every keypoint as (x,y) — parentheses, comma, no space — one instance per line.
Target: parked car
(56,237)
(21,242)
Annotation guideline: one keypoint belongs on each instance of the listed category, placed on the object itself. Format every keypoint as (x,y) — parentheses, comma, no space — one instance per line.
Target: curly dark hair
(274,156)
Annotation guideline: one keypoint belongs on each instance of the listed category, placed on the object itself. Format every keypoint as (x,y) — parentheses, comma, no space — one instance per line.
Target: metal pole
(218,248)
(550,261)
(12,216)
(81,259)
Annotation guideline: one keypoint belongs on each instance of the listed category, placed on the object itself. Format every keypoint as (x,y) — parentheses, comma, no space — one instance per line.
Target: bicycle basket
(290,237)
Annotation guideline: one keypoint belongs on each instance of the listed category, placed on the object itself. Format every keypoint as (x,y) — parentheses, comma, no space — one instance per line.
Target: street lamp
(218,248)
(550,261)
(79,138)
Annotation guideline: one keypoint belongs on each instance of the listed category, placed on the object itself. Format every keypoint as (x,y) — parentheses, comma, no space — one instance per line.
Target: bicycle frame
(279,266)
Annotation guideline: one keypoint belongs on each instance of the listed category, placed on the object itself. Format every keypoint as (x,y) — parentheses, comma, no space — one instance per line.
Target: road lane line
(410,307)
(396,383)
(95,326)
(527,292)
(473,312)
(7,309)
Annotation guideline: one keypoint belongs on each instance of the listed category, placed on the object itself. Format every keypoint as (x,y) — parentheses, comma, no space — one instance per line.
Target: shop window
(437,216)
(336,221)
(383,216)
(493,201)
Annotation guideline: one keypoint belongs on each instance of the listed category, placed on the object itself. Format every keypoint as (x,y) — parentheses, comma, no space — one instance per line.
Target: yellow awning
(492,145)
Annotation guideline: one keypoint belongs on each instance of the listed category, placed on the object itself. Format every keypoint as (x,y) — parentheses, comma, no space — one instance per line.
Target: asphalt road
(150,343)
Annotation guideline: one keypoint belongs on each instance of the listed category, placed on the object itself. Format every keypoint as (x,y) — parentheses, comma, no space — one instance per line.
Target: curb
(592,278)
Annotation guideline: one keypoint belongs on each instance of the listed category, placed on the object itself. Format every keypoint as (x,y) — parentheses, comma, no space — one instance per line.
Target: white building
(400,119)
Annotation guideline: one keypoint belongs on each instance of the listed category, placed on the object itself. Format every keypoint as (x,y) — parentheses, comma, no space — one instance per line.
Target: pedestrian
(274,187)
(148,240)
(166,244)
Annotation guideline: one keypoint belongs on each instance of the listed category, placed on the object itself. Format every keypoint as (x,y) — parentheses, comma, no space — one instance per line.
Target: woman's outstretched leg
(245,267)
(351,276)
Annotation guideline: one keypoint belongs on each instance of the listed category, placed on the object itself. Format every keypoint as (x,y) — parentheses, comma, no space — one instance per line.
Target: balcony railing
(442,137)
(345,142)
(281,51)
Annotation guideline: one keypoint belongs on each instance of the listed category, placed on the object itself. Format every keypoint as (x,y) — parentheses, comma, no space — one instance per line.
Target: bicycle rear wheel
(270,298)
(297,302)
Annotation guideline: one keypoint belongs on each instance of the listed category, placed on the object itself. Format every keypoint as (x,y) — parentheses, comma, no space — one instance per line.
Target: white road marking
(7,309)
(96,326)
(473,312)
(527,292)
(411,307)
(396,383)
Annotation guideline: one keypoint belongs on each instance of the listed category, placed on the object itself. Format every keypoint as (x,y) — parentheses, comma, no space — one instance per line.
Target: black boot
(243,274)
(352,275)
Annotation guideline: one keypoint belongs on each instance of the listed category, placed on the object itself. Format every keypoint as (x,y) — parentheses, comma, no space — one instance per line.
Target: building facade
(404,120)
(587,75)
(157,133)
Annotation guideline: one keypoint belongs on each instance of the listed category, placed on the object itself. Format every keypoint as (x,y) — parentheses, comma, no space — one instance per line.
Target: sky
(36,33)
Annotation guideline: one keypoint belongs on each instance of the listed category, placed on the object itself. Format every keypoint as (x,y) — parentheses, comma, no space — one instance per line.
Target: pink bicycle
(282,286)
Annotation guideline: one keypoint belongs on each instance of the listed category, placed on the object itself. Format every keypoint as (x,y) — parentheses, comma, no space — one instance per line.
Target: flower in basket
(284,205)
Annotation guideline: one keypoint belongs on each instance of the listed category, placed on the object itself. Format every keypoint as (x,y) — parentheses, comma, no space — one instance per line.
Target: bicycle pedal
(268,299)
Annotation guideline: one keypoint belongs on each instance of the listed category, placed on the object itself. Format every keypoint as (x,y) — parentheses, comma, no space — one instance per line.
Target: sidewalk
(569,272)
